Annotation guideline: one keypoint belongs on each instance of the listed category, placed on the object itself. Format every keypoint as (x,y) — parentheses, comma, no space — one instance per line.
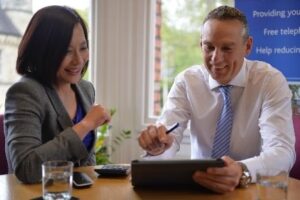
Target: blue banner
(275,27)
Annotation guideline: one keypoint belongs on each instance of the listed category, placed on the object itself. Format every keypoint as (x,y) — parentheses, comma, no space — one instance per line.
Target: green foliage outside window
(180,34)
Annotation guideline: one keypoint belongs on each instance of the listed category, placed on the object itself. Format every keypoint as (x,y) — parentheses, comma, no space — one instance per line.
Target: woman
(49,113)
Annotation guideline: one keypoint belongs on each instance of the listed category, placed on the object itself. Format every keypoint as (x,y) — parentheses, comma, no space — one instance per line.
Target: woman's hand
(96,116)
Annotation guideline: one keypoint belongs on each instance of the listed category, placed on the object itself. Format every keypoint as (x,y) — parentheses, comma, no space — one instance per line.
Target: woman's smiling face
(70,70)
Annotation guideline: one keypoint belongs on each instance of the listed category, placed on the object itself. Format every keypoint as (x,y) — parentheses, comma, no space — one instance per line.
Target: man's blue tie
(224,125)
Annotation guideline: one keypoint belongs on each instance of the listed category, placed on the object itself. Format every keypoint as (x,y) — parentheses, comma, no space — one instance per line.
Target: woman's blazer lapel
(63,118)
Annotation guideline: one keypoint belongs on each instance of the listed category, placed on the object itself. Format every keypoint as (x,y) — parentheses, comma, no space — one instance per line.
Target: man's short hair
(228,13)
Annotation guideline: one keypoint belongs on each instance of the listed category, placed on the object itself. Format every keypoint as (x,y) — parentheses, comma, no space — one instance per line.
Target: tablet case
(166,173)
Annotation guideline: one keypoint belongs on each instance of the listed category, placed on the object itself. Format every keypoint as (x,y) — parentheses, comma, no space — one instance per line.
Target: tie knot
(225,90)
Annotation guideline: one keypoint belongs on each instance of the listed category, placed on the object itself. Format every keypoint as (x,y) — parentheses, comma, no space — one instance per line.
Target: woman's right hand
(96,116)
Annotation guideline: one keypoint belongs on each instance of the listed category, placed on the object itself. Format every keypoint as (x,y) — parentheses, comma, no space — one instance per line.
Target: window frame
(1,65)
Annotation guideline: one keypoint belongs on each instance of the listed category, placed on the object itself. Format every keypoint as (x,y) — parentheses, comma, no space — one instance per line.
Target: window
(14,17)
(176,45)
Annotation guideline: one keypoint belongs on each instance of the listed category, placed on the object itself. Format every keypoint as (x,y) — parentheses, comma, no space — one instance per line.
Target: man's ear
(249,44)
(200,42)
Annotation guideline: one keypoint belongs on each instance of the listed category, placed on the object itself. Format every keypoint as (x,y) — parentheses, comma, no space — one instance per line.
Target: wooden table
(121,188)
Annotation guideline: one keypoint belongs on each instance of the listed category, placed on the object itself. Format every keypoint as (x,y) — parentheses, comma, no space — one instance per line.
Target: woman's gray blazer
(38,128)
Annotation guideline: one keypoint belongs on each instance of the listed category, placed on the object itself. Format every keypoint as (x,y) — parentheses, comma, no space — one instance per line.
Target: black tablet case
(167,173)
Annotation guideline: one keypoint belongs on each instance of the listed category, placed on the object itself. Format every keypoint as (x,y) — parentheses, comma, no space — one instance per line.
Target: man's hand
(155,140)
(220,180)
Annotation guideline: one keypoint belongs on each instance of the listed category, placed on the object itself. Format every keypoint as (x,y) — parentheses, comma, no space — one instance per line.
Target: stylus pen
(173,128)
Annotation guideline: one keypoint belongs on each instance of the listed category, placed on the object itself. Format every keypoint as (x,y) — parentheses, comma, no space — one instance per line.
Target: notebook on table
(166,173)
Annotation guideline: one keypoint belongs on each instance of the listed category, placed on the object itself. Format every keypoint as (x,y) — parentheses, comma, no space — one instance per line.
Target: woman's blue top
(88,140)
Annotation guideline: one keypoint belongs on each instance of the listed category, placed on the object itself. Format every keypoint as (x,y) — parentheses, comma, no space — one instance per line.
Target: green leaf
(113,111)
(126,132)
(115,141)
(104,128)
(118,138)
(101,150)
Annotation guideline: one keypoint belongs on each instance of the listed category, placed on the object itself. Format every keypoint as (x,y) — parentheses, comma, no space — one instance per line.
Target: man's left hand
(220,180)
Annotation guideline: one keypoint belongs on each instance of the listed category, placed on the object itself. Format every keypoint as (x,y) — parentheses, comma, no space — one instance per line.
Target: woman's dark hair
(46,41)
(229,13)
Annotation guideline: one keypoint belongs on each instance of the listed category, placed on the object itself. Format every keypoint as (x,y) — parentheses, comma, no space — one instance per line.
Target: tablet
(160,173)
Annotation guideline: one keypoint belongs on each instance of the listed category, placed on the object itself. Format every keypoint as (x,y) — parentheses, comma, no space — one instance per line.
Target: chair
(3,162)
(295,172)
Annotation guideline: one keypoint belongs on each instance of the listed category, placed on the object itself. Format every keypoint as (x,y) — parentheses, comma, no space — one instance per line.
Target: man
(261,133)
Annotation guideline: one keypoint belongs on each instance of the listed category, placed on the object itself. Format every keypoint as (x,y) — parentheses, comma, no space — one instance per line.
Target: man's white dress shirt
(262,133)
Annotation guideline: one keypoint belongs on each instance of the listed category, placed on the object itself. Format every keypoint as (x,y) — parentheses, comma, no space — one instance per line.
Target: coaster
(41,198)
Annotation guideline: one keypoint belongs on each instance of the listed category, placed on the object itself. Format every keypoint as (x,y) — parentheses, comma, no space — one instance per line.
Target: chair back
(295,172)
(3,162)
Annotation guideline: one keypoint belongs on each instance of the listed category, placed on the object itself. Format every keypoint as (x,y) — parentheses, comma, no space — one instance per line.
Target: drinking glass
(57,179)
(272,184)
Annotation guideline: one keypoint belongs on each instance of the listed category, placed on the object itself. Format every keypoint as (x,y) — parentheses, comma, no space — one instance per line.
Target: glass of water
(57,179)
(272,184)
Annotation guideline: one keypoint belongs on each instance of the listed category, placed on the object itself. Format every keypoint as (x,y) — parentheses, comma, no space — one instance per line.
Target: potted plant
(104,147)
